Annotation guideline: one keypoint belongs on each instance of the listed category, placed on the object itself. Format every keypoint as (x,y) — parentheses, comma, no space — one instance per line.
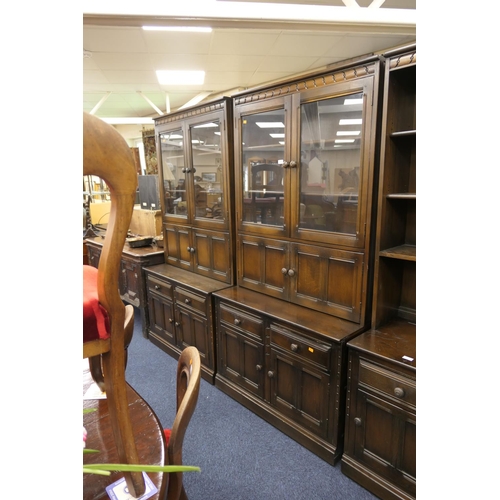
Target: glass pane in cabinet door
(263,137)
(207,163)
(174,175)
(331,136)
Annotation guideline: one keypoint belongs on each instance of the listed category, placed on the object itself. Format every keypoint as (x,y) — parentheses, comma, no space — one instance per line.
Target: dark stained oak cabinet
(132,281)
(304,180)
(180,305)
(285,365)
(380,445)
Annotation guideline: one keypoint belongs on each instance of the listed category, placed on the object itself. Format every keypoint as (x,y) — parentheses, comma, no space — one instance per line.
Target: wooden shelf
(401,252)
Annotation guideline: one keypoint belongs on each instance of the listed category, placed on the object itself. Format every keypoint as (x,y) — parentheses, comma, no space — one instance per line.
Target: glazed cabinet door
(262,137)
(331,189)
(263,264)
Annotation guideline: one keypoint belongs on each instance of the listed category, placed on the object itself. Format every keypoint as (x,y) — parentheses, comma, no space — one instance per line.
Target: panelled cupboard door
(326,279)
(161,316)
(177,242)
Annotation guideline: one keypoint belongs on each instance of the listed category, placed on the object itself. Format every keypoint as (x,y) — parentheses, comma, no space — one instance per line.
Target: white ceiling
(252,43)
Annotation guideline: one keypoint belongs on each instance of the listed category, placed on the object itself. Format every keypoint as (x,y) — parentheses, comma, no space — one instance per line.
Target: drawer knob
(294,347)
(124,270)
(157,287)
(187,301)
(258,368)
(399,392)
(270,374)
(357,422)
(237,321)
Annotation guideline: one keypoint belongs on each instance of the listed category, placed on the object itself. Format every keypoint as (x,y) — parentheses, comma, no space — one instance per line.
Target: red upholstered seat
(95,317)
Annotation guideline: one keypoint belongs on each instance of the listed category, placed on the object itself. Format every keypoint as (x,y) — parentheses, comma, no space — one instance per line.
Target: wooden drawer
(242,320)
(390,383)
(304,347)
(159,286)
(190,299)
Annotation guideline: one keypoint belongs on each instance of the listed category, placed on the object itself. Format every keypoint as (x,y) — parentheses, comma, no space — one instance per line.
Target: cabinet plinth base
(313,443)
(371,481)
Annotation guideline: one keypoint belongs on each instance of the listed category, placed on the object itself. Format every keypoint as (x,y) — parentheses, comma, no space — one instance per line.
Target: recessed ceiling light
(171,77)
(270,124)
(351,121)
(193,29)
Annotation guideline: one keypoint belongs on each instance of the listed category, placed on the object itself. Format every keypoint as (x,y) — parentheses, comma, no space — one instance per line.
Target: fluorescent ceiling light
(349,132)
(192,29)
(348,102)
(337,141)
(128,121)
(277,136)
(270,124)
(170,77)
(351,121)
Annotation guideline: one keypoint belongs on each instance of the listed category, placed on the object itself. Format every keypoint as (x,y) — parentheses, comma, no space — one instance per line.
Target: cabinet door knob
(258,368)
(293,164)
(399,392)
(357,421)
(237,321)
(285,164)
(294,347)
(291,272)
(187,301)
(177,323)
(284,271)
(170,320)
(270,374)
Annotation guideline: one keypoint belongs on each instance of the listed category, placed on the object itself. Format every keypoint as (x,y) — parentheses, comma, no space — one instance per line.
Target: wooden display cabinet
(180,307)
(195,157)
(381,410)
(304,170)
(304,178)
(132,282)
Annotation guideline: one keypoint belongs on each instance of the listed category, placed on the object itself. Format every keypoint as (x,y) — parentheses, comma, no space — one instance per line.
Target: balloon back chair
(107,322)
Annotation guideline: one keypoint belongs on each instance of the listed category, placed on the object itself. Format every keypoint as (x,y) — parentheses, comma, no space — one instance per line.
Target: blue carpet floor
(241,456)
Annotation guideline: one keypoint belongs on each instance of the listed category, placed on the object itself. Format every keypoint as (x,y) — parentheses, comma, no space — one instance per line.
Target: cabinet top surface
(186,278)
(136,252)
(395,341)
(330,326)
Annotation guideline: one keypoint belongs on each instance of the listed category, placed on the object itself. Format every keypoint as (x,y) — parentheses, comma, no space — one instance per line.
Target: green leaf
(89,410)
(86,470)
(141,468)
(90,450)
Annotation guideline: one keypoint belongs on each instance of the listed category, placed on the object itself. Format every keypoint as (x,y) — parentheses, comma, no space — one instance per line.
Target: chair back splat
(188,388)
(107,155)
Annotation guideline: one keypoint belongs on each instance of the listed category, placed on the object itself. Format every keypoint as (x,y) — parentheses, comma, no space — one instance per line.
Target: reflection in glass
(263,137)
(174,177)
(331,135)
(207,163)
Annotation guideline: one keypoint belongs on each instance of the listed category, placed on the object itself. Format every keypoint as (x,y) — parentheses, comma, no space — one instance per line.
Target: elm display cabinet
(195,158)
(132,282)
(285,365)
(381,406)
(304,173)
(180,308)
